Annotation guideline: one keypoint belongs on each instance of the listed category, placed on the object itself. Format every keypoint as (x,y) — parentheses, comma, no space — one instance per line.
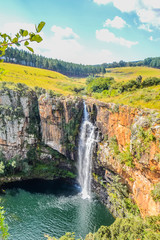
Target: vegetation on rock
(3,226)
(122,229)
(142,142)
(156,192)
(125,157)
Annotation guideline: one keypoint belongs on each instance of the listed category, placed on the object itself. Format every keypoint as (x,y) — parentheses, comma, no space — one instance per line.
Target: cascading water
(85,151)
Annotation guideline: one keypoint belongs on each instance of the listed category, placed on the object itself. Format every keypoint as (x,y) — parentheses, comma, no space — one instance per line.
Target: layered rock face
(26,121)
(18,126)
(60,123)
(130,147)
(34,133)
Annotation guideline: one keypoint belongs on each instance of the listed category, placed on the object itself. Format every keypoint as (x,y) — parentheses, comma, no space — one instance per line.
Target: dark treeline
(148,62)
(122,64)
(70,69)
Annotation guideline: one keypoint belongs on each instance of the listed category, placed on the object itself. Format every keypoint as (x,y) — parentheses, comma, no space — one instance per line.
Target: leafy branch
(20,37)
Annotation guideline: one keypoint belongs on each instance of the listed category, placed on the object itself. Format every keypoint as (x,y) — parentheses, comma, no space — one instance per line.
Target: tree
(139,79)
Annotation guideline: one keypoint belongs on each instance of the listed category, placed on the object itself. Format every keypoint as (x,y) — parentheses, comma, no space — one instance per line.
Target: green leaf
(23,33)
(18,35)
(14,40)
(37,38)
(10,38)
(4,35)
(30,49)
(18,44)
(31,36)
(40,26)
(26,43)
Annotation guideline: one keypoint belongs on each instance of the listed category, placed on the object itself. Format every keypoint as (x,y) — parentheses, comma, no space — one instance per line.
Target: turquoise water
(37,207)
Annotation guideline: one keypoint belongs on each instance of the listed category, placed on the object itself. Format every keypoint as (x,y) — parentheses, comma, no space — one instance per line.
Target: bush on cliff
(156,192)
(99,84)
(123,229)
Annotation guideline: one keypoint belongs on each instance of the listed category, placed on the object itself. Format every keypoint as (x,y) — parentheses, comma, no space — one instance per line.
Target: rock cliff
(60,123)
(130,147)
(33,131)
(19,122)
(38,138)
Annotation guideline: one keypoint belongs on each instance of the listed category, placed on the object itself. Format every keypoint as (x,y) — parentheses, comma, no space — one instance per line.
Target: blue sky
(88,31)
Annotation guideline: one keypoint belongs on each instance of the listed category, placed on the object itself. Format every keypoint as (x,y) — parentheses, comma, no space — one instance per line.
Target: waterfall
(85,151)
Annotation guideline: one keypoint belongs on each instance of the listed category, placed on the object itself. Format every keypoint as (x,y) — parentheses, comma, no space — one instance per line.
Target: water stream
(87,141)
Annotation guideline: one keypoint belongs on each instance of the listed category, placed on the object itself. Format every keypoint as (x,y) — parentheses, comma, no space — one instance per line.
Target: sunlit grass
(143,98)
(40,77)
(129,73)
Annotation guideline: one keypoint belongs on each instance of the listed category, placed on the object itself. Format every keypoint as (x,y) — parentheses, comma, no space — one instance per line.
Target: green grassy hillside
(148,97)
(128,73)
(40,77)
(142,98)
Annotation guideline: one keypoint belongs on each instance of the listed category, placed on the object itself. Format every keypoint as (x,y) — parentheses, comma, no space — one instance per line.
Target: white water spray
(85,151)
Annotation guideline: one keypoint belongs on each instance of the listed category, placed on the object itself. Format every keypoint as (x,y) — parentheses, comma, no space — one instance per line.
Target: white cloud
(63,33)
(151,3)
(126,5)
(71,50)
(145,27)
(96,56)
(148,11)
(117,22)
(62,45)
(106,36)
(149,16)
(123,5)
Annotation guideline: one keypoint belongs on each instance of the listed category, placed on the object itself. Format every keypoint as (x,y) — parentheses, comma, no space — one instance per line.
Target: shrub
(113,144)
(156,192)
(3,226)
(142,143)
(119,197)
(99,84)
(126,157)
(150,82)
(67,236)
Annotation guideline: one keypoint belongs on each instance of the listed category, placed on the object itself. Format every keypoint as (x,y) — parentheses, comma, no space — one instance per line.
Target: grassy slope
(146,97)
(128,73)
(40,77)
(143,98)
